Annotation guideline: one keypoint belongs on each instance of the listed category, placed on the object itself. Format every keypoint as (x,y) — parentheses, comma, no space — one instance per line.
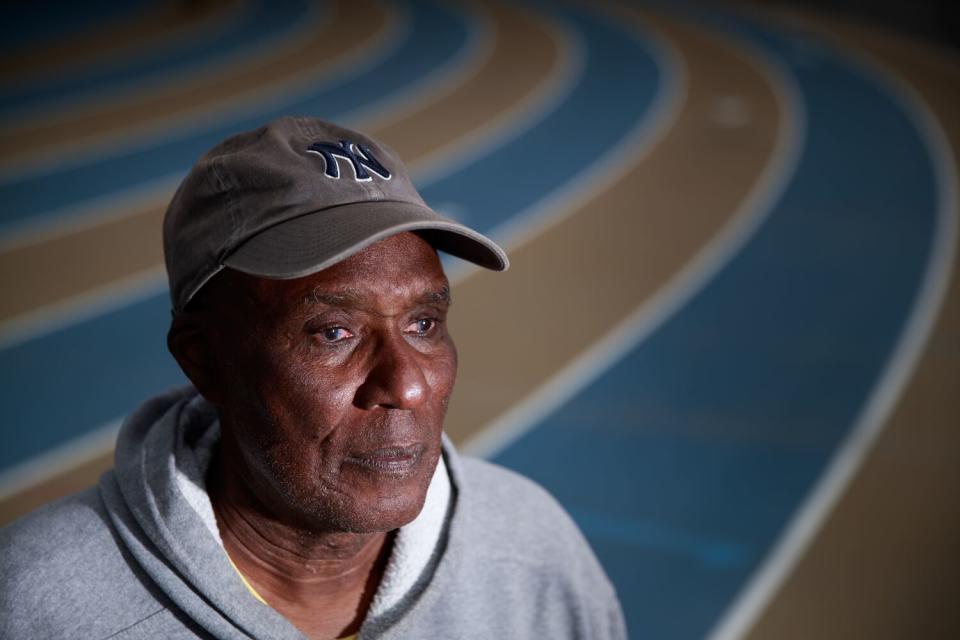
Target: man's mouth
(391,460)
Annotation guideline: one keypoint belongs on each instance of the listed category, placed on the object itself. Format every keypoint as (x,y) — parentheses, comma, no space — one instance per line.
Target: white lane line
(438,82)
(100,301)
(678,290)
(113,205)
(74,218)
(575,193)
(16,166)
(549,94)
(58,107)
(809,518)
(66,456)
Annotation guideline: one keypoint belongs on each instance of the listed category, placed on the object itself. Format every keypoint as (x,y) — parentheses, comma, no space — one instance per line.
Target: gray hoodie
(492,555)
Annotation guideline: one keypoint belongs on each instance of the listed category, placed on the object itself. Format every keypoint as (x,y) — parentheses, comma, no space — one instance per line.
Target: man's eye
(335,334)
(423,326)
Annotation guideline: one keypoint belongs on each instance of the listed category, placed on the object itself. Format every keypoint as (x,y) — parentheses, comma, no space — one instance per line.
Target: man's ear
(191,347)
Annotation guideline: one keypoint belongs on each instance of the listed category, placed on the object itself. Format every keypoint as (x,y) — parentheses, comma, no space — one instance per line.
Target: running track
(727,344)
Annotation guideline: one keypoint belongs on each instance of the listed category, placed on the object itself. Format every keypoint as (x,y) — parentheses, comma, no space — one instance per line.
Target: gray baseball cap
(294,197)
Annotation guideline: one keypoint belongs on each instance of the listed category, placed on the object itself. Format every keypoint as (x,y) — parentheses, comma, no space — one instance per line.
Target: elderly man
(302,485)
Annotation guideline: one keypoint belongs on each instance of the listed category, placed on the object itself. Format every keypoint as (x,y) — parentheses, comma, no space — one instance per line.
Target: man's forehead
(399,270)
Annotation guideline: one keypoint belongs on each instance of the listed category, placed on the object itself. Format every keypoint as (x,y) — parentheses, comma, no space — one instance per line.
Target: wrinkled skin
(332,388)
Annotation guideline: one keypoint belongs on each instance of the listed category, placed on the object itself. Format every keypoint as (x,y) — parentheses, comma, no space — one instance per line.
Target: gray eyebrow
(339,299)
(440,296)
(349,298)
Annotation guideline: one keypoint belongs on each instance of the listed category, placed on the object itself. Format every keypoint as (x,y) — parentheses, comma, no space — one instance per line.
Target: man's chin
(366,500)
(381,515)
(384,499)
(367,506)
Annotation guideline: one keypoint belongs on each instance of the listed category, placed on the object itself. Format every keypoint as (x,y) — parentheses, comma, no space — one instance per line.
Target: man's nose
(396,379)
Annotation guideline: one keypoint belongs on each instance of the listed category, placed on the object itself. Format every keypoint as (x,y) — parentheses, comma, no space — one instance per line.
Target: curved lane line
(328,45)
(144,29)
(131,239)
(55,137)
(726,414)
(153,148)
(536,65)
(258,22)
(471,419)
(155,368)
(889,390)
(559,149)
(41,204)
(695,272)
(65,134)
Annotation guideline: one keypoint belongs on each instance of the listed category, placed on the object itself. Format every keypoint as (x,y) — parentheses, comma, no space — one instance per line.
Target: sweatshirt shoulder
(517,560)
(51,534)
(515,504)
(521,520)
(66,553)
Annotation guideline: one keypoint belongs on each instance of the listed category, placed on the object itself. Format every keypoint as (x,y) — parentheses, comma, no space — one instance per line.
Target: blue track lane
(530,166)
(428,38)
(257,23)
(102,368)
(684,461)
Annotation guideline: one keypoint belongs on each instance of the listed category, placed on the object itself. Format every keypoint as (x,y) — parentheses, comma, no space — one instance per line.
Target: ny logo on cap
(359,156)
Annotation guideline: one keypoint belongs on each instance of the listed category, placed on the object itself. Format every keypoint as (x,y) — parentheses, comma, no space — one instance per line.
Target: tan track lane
(528,54)
(575,281)
(884,565)
(143,29)
(353,28)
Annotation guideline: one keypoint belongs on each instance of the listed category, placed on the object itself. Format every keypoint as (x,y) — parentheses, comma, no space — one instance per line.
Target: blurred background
(728,343)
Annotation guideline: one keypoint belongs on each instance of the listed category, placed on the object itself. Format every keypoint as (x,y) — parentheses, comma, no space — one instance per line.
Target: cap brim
(315,241)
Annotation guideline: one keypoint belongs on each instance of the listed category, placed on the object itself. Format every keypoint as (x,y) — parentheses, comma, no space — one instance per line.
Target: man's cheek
(330,399)
(442,377)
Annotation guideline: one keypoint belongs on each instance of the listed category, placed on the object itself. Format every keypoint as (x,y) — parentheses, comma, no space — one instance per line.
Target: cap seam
(211,267)
(306,129)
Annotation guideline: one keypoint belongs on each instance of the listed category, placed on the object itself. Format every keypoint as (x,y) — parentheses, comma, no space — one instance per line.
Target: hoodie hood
(157,501)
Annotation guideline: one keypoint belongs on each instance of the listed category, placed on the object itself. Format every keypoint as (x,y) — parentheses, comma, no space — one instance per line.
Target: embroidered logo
(359,157)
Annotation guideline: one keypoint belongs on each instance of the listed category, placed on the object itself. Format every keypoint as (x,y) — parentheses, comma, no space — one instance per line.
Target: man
(301,486)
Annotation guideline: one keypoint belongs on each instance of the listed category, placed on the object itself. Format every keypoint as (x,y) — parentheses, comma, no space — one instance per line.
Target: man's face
(332,388)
